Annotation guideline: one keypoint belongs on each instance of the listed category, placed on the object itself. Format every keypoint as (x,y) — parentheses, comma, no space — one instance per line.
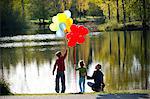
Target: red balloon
(81,40)
(68,35)
(76,35)
(85,31)
(73,27)
(71,43)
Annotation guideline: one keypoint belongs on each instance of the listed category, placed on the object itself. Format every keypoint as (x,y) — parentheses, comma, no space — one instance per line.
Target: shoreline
(130,26)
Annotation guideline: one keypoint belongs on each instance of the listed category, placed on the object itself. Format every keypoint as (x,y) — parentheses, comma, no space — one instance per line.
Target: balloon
(73,27)
(83,30)
(61,17)
(69,22)
(53,27)
(68,13)
(54,19)
(81,40)
(76,35)
(69,35)
(62,26)
(66,31)
(59,33)
(71,43)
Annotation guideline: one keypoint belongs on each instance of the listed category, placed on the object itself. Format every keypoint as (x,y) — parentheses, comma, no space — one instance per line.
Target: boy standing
(60,71)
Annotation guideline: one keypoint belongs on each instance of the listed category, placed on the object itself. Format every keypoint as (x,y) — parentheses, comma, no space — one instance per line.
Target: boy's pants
(60,74)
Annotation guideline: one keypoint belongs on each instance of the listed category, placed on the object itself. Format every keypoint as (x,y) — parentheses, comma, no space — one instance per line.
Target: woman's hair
(98,66)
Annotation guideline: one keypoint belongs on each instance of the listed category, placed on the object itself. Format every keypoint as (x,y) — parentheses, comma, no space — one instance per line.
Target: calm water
(26,62)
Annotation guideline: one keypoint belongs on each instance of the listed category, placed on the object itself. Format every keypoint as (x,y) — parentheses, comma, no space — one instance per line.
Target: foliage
(16,13)
(39,9)
(4,88)
(94,10)
(11,20)
(114,26)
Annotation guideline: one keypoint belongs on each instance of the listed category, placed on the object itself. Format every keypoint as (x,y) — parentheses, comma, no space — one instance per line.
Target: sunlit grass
(93,93)
(37,20)
(113,25)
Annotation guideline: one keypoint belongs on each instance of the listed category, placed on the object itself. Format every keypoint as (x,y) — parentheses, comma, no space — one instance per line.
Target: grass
(92,93)
(37,20)
(113,25)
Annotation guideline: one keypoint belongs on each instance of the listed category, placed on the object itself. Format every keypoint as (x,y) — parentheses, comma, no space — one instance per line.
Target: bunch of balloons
(76,35)
(61,23)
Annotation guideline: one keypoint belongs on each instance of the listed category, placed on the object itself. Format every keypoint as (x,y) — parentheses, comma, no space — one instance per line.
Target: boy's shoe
(57,91)
(62,91)
(80,92)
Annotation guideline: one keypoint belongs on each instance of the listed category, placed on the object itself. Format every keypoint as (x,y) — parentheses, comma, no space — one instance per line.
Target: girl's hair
(81,62)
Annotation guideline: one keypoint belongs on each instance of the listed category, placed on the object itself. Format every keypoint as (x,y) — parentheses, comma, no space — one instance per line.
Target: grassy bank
(93,93)
(114,26)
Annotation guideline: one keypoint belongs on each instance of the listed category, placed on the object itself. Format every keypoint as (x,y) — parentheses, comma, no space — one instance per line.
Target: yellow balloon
(68,29)
(54,19)
(53,27)
(69,22)
(61,17)
(65,31)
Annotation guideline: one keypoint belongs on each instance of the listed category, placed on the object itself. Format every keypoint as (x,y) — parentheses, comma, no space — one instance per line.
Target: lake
(26,62)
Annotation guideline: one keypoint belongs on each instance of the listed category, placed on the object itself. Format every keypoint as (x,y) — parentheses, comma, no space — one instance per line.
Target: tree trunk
(124,13)
(129,17)
(118,48)
(110,46)
(146,58)
(141,12)
(1,65)
(144,14)
(22,4)
(125,49)
(0,18)
(24,62)
(117,4)
(108,11)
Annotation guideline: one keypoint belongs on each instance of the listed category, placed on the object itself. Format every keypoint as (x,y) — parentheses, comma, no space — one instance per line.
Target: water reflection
(123,55)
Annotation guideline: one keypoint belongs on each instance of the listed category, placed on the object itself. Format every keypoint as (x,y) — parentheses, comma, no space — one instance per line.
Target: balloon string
(74,58)
(65,41)
(74,55)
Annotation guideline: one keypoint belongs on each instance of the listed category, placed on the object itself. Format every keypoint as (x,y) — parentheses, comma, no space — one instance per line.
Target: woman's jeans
(60,74)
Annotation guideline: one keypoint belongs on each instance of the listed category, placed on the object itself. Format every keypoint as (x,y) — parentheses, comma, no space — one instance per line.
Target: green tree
(11,19)
(117,6)
(82,6)
(124,13)
(39,9)
(94,10)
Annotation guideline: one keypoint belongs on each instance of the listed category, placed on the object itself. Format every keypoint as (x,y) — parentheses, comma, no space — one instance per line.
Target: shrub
(4,88)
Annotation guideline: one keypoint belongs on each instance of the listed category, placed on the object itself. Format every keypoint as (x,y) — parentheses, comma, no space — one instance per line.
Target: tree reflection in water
(124,57)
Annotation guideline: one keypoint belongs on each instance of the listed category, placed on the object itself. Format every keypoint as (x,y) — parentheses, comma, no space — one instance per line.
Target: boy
(60,71)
